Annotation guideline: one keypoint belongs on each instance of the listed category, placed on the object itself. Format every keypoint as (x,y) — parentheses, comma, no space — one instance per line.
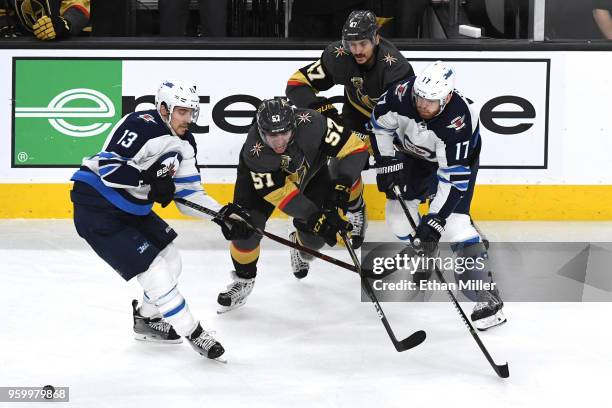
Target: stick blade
(502,370)
(411,341)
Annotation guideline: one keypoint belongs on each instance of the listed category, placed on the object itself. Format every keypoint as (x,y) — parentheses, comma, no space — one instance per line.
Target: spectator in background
(602,10)
(51,19)
(174,15)
(321,18)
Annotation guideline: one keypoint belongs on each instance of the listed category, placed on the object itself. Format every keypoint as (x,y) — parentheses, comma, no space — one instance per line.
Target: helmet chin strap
(167,121)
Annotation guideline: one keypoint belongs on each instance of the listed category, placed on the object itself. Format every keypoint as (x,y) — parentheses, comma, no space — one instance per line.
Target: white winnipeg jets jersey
(451,139)
(139,140)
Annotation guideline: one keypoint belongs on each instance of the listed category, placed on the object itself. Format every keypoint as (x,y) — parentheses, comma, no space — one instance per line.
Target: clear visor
(195,112)
(355,46)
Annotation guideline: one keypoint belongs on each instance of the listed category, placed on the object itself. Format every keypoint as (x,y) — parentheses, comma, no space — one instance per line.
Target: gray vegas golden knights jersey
(362,87)
(280,179)
(451,139)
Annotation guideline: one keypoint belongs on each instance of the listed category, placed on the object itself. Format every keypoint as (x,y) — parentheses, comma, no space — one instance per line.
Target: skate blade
(492,321)
(220,360)
(149,339)
(225,309)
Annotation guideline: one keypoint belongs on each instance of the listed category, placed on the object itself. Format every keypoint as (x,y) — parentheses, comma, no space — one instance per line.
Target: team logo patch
(400,90)
(256,149)
(147,118)
(458,123)
(357,82)
(340,51)
(285,161)
(303,118)
(389,59)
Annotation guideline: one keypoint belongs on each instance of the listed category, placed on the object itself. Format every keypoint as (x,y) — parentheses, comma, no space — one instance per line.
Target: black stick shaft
(273,237)
(500,370)
(414,339)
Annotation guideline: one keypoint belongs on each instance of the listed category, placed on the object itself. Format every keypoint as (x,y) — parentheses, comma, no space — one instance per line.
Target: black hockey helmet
(275,116)
(360,25)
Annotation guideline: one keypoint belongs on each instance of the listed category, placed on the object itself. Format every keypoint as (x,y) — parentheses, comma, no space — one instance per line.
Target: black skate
(488,310)
(235,294)
(153,328)
(299,264)
(359,219)
(205,344)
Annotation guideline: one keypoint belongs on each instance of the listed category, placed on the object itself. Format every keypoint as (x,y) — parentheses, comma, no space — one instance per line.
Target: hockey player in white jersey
(150,156)
(428,142)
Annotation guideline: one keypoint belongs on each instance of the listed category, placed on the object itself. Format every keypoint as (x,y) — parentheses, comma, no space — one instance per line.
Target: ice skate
(236,293)
(359,219)
(153,329)
(488,310)
(299,264)
(205,344)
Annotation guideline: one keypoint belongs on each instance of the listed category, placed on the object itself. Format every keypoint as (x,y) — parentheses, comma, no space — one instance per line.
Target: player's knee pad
(459,228)
(471,266)
(396,218)
(158,280)
(173,260)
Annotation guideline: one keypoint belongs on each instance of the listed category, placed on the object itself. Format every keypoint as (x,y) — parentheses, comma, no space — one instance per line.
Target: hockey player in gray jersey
(366,65)
(427,142)
(149,156)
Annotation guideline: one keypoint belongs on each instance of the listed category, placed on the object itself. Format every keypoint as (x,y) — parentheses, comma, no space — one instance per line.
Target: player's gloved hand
(326,224)
(428,234)
(389,173)
(327,109)
(236,229)
(159,177)
(51,28)
(339,196)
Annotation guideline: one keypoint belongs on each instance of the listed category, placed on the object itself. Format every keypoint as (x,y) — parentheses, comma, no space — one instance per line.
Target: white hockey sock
(174,310)
(147,308)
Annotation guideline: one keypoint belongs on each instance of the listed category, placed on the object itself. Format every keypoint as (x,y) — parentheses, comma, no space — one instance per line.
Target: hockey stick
(280,240)
(501,370)
(409,342)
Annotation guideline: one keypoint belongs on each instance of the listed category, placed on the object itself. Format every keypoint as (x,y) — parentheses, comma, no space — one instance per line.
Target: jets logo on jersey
(458,123)
(147,118)
(256,149)
(400,90)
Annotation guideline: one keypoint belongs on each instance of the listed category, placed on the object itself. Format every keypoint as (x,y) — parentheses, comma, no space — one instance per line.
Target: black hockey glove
(339,196)
(159,178)
(389,173)
(326,224)
(327,109)
(428,234)
(236,228)
(51,28)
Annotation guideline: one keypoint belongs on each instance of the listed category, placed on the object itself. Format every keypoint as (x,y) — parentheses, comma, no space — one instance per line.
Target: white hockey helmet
(435,83)
(178,93)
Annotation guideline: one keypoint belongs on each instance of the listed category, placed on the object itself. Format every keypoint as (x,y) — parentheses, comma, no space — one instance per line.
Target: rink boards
(546,137)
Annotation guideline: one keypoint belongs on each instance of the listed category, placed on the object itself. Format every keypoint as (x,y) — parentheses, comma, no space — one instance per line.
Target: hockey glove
(327,109)
(159,177)
(389,173)
(326,224)
(236,228)
(428,234)
(340,195)
(51,28)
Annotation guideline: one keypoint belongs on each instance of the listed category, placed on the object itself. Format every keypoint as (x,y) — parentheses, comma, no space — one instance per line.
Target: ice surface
(311,343)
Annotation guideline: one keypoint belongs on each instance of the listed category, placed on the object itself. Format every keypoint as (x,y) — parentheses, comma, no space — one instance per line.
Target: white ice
(66,321)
